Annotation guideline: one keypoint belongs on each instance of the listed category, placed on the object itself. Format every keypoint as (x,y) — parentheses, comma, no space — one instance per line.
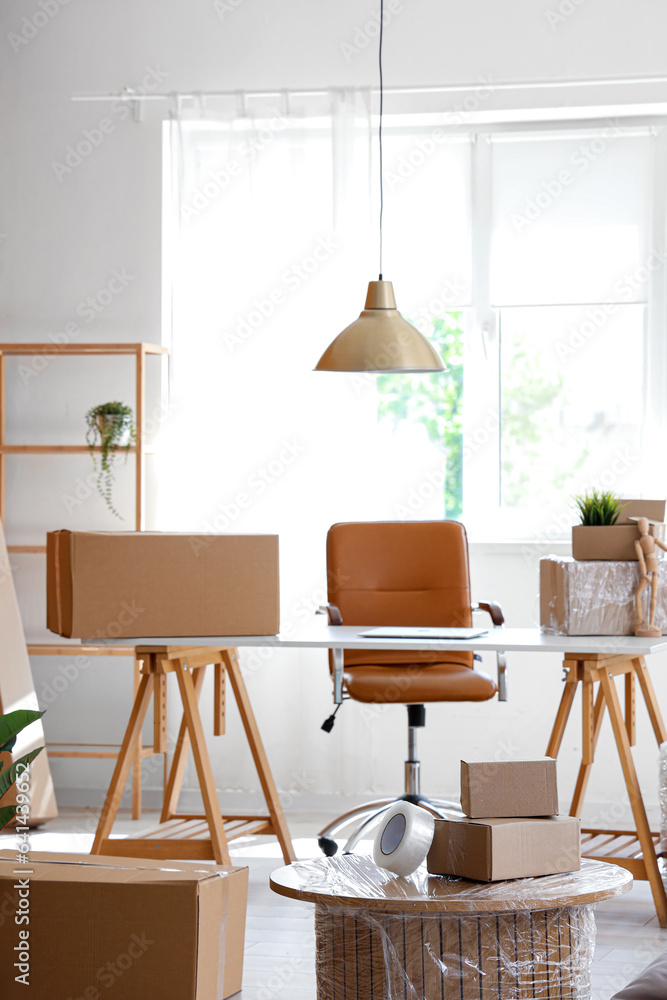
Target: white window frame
(482,510)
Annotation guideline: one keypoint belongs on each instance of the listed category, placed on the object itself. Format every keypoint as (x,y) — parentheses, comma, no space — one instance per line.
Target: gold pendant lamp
(380,340)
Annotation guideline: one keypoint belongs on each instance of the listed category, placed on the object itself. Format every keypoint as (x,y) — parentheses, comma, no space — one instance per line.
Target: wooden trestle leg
(635,849)
(190,836)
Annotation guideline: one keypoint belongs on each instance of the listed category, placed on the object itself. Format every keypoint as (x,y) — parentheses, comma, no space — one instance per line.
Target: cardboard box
(128,584)
(509,788)
(606,541)
(654,510)
(594,598)
(121,929)
(489,850)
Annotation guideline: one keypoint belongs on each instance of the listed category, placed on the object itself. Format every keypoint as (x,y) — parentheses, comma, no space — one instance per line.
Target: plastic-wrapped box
(385,937)
(595,597)
(662,791)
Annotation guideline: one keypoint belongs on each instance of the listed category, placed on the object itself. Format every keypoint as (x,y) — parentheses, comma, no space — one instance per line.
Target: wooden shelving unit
(140,352)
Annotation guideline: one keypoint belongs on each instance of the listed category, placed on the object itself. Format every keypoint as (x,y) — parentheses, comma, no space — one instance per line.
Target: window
(547,391)
(532,257)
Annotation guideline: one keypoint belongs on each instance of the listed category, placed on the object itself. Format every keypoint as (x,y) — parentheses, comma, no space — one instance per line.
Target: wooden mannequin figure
(645,547)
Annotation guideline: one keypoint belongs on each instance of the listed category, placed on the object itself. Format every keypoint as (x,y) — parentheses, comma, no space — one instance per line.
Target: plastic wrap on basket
(386,956)
(662,792)
(525,938)
(595,597)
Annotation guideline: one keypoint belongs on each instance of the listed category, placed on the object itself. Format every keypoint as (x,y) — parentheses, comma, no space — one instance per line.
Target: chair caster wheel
(327,845)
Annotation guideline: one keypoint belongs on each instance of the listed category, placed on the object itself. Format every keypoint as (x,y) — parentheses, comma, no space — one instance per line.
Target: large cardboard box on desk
(120,584)
(489,850)
(120,928)
(594,598)
(509,788)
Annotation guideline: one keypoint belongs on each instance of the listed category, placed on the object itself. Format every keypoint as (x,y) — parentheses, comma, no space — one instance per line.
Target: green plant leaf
(107,424)
(7,814)
(598,508)
(9,775)
(13,723)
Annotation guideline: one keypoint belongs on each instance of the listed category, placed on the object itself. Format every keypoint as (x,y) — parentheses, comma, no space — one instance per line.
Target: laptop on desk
(412,632)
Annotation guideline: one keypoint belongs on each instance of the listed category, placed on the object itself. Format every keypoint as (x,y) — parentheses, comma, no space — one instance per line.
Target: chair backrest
(400,573)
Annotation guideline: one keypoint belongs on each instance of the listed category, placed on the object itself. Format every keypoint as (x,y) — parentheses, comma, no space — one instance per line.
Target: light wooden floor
(279,954)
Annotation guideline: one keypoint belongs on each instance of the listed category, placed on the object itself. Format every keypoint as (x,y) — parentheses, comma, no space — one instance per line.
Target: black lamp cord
(380,128)
(328,724)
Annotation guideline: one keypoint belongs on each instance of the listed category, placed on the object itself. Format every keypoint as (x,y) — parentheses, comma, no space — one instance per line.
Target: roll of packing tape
(404,838)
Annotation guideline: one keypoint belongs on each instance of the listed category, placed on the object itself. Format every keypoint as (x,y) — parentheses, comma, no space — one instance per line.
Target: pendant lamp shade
(380,340)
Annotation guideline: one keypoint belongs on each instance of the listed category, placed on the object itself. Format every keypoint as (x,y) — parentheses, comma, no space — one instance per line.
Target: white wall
(63,238)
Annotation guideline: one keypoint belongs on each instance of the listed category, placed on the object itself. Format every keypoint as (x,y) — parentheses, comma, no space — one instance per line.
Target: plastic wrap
(595,597)
(424,937)
(662,793)
(366,955)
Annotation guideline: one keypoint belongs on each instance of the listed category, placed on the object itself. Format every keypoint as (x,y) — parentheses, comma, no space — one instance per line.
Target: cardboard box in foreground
(489,850)
(509,788)
(119,584)
(122,929)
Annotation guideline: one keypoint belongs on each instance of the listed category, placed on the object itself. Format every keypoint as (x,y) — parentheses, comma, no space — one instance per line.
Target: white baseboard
(603,814)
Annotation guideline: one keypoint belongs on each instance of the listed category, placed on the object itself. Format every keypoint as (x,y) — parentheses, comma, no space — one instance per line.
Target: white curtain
(270,240)
(274,246)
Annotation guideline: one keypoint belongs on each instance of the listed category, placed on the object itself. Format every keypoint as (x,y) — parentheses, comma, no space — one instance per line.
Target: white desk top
(320,635)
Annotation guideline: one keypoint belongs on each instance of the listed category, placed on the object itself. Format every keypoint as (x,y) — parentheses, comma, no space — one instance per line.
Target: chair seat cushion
(418,683)
(650,985)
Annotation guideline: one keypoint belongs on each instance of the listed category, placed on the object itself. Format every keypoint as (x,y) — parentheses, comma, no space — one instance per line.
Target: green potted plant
(111,429)
(601,534)
(10,726)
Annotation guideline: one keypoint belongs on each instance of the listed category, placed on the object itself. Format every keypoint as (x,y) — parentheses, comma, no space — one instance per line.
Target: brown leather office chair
(411,573)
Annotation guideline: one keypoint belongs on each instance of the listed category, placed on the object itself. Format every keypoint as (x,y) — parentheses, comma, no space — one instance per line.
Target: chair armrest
(493,609)
(498,618)
(332,612)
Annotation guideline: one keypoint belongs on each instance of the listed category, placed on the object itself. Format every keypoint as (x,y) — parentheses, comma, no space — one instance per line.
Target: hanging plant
(111,428)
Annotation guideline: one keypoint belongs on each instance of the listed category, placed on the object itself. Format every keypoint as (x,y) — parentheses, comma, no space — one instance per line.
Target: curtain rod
(130,95)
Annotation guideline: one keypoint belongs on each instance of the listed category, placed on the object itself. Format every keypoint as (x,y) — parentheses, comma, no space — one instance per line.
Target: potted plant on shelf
(602,534)
(10,726)
(111,429)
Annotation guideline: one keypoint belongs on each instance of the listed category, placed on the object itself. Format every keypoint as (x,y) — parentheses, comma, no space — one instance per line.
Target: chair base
(371,813)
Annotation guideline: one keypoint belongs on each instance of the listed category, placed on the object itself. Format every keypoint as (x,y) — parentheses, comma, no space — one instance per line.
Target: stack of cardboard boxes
(512,829)
(593,593)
